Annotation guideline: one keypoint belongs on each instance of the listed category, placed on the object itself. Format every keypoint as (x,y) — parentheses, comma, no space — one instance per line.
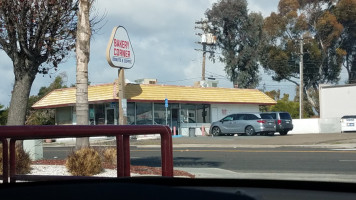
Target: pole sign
(166,102)
(119,52)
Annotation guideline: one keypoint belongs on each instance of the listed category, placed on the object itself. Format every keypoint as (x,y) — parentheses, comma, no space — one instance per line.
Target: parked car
(348,123)
(243,123)
(283,121)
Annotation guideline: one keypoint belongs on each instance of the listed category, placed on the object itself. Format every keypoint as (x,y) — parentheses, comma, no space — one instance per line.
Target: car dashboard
(178,188)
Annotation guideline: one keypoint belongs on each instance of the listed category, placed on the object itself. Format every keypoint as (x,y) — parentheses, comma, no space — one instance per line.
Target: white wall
(34,148)
(198,128)
(337,101)
(301,126)
(305,126)
(330,125)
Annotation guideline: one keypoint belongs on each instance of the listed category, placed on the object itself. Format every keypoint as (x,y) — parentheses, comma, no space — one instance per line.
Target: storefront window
(131,113)
(91,114)
(144,113)
(188,113)
(160,114)
(203,113)
(99,110)
(64,116)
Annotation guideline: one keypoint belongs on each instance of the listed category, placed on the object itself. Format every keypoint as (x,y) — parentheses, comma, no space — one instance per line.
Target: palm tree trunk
(83,54)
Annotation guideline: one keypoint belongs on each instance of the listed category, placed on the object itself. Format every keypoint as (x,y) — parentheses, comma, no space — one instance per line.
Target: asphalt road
(208,153)
(257,160)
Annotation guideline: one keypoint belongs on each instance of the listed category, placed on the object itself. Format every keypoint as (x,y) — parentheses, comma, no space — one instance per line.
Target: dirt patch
(142,170)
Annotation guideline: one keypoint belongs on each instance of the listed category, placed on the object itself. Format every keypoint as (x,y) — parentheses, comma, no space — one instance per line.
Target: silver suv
(283,121)
(243,123)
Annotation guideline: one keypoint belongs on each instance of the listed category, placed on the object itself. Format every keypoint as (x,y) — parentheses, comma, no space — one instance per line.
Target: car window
(250,117)
(267,116)
(284,116)
(348,117)
(238,117)
(273,115)
(229,118)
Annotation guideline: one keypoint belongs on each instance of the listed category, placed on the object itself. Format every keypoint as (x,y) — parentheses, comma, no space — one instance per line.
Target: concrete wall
(34,148)
(198,129)
(304,126)
(337,101)
(330,125)
(301,126)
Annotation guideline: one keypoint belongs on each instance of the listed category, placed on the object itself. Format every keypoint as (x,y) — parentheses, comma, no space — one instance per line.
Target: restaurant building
(187,107)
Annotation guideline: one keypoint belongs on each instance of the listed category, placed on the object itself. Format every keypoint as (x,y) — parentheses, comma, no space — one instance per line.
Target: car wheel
(249,131)
(283,132)
(216,131)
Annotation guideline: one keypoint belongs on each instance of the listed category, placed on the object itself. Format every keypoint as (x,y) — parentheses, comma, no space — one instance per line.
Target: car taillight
(261,121)
(279,121)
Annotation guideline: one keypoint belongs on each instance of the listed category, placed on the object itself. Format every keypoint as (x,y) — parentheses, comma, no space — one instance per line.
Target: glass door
(175,118)
(110,116)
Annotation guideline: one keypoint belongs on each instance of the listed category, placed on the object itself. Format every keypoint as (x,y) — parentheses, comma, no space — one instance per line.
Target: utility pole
(203,65)
(301,80)
(206,39)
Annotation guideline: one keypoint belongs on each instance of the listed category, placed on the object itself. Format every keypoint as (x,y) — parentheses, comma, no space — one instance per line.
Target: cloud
(7,78)
(262,6)
(163,38)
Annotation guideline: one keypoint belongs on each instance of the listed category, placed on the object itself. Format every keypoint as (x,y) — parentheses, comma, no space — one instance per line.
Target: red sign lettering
(121,53)
(121,44)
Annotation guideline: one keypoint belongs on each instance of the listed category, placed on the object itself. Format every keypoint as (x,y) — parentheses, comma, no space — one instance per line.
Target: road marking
(347,160)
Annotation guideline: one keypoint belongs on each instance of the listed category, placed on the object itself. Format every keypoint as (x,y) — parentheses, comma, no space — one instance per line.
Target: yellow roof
(66,96)
(157,93)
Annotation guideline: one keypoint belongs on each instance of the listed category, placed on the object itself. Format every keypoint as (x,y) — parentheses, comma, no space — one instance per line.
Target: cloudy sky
(163,38)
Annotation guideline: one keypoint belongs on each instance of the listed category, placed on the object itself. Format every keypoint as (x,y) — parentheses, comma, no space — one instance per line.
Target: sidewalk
(335,140)
(227,174)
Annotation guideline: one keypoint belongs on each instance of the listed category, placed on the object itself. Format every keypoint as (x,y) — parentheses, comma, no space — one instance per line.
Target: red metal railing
(122,134)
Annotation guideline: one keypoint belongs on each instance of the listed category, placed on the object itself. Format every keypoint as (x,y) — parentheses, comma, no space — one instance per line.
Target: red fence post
(127,160)
(167,153)
(5,161)
(12,160)
(120,156)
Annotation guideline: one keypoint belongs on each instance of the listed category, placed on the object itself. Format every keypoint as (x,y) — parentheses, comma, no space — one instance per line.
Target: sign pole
(122,100)
(166,106)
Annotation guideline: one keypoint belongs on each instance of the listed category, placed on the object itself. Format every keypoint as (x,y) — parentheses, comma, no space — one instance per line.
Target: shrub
(109,156)
(23,161)
(84,162)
